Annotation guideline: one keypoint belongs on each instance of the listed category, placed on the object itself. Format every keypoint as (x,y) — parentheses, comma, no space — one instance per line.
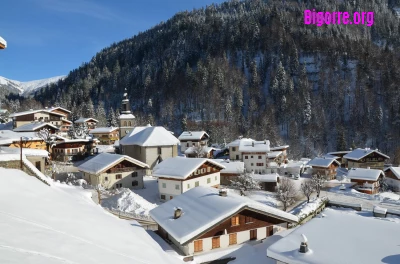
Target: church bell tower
(126,118)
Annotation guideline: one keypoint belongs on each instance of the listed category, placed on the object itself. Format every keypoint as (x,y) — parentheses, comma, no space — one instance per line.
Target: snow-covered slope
(61,224)
(27,88)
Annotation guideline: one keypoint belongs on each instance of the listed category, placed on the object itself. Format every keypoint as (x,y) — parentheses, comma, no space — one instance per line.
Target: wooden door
(270,231)
(198,245)
(215,242)
(233,239)
(253,234)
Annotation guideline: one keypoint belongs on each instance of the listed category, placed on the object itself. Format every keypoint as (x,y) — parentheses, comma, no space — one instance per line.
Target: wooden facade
(367,186)
(373,161)
(328,172)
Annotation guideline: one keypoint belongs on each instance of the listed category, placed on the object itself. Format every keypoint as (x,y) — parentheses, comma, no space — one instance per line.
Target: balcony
(117,170)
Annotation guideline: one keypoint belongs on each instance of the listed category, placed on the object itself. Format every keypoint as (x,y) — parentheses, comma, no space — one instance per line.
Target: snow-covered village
(210,134)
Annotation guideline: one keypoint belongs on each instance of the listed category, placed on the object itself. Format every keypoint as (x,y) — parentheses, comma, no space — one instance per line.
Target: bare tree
(46,135)
(198,151)
(307,188)
(78,131)
(245,182)
(318,182)
(286,192)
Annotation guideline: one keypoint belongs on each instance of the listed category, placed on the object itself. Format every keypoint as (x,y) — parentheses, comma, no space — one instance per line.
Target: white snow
(395,170)
(192,135)
(322,162)
(126,116)
(231,166)
(359,153)
(129,202)
(305,208)
(103,130)
(273,177)
(103,161)
(105,148)
(61,224)
(364,174)
(25,151)
(203,208)
(85,119)
(342,236)
(150,136)
(180,167)
(4,42)
(34,126)
(27,88)
(380,210)
(7,137)
(274,154)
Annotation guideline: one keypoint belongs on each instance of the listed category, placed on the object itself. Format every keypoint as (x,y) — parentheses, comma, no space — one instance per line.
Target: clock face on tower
(126,131)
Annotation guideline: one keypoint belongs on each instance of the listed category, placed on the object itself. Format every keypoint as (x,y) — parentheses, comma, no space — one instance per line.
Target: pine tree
(112,119)
(101,115)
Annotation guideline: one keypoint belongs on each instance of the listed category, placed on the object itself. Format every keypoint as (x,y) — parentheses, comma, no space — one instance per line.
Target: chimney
(303,245)
(177,213)
(265,141)
(223,193)
(252,143)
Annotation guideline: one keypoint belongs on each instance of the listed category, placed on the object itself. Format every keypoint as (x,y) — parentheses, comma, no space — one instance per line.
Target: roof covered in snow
(181,167)
(150,136)
(273,154)
(283,147)
(7,137)
(294,164)
(85,119)
(25,151)
(204,150)
(364,174)
(103,130)
(236,167)
(246,145)
(322,162)
(359,153)
(273,177)
(35,111)
(126,116)
(203,208)
(193,135)
(343,152)
(104,161)
(31,127)
(341,236)
(53,108)
(61,224)
(395,170)
(3,42)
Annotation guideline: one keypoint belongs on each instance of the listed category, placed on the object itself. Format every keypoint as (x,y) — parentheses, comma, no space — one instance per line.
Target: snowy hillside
(61,224)
(27,88)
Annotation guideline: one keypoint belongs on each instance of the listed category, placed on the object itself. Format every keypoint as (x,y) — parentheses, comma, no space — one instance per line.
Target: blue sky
(48,38)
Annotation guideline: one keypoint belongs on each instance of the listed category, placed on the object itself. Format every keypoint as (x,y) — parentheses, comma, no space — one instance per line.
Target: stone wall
(15,164)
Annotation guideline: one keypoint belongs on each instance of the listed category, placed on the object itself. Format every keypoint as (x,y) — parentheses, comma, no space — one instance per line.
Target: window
(198,245)
(216,178)
(253,234)
(252,164)
(129,123)
(235,221)
(208,180)
(176,186)
(118,185)
(187,144)
(105,178)
(196,184)
(232,239)
(270,231)
(171,197)
(248,219)
(135,183)
(164,185)
(260,164)
(259,157)
(134,174)
(246,157)
(159,150)
(233,148)
(215,242)
(188,186)
(124,123)
(193,144)
(118,176)
(251,156)
(162,197)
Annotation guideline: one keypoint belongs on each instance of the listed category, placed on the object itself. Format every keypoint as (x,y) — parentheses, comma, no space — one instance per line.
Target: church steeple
(126,118)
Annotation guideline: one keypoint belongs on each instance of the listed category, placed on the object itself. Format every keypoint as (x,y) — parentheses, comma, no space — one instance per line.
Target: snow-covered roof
(204,150)
(359,153)
(53,108)
(246,145)
(25,151)
(35,111)
(341,236)
(294,164)
(3,42)
(193,135)
(31,127)
(61,224)
(126,116)
(85,119)
(150,136)
(283,147)
(330,156)
(104,161)
(236,167)
(395,170)
(334,153)
(7,137)
(103,130)
(322,162)
(203,208)
(181,167)
(273,154)
(273,177)
(364,174)
(236,142)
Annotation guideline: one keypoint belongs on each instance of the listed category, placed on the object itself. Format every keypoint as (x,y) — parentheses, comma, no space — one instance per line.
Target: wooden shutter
(235,221)
(198,245)
(233,239)
(215,242)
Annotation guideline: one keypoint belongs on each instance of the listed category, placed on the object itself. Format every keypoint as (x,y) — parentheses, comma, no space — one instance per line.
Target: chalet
(325,167)
(356,237)
(59,110)
(9,138)
(106,135)
(150,145)
(114,171)
(205,218)
(3,43)
(365,158)
(268,182)
(178,175)
(193,139)
(73,149)
(392,176)
(293,167)
(65,125)
(89,122)
(200,152)
(367,180)
(232,170)
(283,149)
(42,115)
(36,127)
(339,156)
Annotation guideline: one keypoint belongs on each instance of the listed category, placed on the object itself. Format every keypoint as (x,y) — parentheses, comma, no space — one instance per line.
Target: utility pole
(20,154)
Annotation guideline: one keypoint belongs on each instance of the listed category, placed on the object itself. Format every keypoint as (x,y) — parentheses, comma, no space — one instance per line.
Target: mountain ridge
(29,87)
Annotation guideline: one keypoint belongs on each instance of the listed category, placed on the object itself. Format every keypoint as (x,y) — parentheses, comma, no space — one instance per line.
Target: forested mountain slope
(253,68)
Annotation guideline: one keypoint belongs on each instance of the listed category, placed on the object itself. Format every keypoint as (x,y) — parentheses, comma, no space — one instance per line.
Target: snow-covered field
(150,191)
(61,224)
